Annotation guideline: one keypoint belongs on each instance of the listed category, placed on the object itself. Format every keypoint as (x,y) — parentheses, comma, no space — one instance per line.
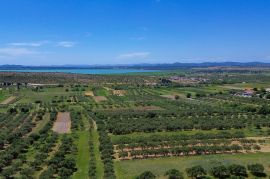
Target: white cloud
(16,52)
(66,44)
(133,55)
(28,44)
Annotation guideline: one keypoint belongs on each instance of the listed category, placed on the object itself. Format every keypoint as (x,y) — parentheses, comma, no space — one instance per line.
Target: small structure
(119,92)
(248,92)
(187,80)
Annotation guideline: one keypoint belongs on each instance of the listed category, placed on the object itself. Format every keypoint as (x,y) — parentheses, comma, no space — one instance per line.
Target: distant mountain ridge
(160,66)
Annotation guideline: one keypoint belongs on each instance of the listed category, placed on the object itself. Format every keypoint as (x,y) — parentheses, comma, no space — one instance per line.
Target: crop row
(183,151)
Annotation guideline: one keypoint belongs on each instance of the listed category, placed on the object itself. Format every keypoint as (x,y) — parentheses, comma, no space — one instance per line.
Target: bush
(196,171)
(256,169)
(237,170)
(146,175)
(174,174)
(220,172)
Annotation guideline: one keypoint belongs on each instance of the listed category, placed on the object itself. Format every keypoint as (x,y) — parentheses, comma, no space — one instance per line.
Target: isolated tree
(196,171)
(174,174)
(220,172)
(237,170)
(146,175)
(188,95)
(256,169)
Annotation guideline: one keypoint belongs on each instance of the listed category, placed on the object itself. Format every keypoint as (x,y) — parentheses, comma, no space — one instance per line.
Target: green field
(83,150)
(130,169)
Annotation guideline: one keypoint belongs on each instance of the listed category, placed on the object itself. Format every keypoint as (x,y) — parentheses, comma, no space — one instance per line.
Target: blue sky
(57,32)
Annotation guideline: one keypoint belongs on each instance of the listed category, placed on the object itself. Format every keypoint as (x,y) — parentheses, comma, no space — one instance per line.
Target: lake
(84,71)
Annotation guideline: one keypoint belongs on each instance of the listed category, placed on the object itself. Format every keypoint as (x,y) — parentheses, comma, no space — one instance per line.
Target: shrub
(237,170)
(256,169)
(196,171)
(174,174)
(220,172)
(146,175)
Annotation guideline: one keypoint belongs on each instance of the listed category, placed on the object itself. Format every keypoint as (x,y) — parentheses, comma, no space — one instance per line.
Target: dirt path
(8,100)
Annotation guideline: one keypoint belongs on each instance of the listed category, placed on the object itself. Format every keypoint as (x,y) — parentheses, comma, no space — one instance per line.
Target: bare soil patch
(119,92)
(169,96)
(89,93)
(63,123)
(9,100)
(99,98)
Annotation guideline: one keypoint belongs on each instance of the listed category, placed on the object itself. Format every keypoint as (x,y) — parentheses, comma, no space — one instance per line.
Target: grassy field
(3,95)
(83,152)
(130,169)
(99,163)
(100,92)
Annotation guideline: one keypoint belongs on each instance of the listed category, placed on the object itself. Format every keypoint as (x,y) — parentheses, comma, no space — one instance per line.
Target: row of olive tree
(220,171)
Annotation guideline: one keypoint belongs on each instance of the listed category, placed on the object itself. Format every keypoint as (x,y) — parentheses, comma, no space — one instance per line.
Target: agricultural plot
(63,123)
(99,98)
(124,127)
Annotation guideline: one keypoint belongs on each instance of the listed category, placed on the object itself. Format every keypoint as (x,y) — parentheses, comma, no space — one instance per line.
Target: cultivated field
(198,123)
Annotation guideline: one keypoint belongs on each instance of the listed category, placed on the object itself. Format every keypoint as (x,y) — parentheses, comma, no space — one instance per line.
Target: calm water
(86,71)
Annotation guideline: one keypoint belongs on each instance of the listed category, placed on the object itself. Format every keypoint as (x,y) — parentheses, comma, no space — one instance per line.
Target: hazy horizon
(108,32)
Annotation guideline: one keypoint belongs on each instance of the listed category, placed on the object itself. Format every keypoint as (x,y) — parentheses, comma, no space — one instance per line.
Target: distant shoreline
(80,71)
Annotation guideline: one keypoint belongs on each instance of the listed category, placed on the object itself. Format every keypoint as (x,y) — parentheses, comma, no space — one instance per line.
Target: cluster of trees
(181,118)
(76,119)
(142,145)
(49,124)
(43,146)
(178,137)
(170,174)
(105,148)
(13,127)
(43,143)
(63,163)
(219,171)
(157,145)
(13,151)
(18,146)
(21,130)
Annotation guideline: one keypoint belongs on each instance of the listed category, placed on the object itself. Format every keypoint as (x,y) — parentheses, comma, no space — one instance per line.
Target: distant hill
(163,66)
